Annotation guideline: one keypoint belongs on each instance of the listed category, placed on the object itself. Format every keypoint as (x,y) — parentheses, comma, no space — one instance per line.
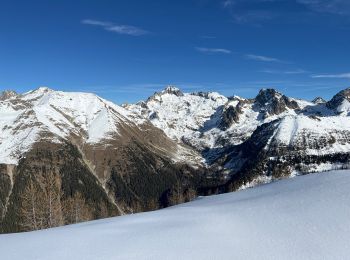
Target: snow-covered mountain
(182,116)
(306,217)
(210,120)
(165,150)
(93,147)
(27,118)
(271,131)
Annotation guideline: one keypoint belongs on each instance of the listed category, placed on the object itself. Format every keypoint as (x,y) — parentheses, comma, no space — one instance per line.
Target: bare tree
(76,209)
(31,210)
(51,186)
(103,210)
(41,203)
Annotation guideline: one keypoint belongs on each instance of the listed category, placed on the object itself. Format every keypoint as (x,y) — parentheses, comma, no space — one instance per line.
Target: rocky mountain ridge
(283,134)
(161,151)
(92,150)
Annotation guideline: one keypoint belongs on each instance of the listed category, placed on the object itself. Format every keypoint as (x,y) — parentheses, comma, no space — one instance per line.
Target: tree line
(45,206)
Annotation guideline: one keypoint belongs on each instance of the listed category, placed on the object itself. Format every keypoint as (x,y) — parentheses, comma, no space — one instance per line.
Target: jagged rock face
(318,100)
(340,102)
(7,94)
(284,147)
(273,102)
(180,115)
(210,121)
(172,90)
(231,114)
(266,96)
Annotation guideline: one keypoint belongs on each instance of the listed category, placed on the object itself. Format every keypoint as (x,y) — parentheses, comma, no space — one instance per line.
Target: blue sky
(126,50)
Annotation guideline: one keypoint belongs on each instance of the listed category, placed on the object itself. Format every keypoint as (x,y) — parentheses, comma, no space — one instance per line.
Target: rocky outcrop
(231,113)
(318,100)
(339,99)
(271,102)
(172,90)
(7,94)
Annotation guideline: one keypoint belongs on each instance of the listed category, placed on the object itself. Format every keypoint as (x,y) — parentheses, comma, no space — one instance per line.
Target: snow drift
(301,218)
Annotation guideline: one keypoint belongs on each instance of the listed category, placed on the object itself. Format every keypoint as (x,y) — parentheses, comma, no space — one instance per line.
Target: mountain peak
(170,89)
(267,95)
(39,91)
(7,94)
(273,102)
(43,89)
(339,98)
(318,100)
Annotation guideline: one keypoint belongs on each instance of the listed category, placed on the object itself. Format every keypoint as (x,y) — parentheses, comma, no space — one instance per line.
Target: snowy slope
(178,114)
(26,118)
(307,133)
(219,127)
(196,118)
(301,218)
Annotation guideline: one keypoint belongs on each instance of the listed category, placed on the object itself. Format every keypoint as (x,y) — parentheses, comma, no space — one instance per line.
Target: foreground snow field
(306,217)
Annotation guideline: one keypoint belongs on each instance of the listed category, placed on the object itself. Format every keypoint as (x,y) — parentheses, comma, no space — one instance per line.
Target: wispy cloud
(95,22)
(248,12)
(121,29)
(339,7)
(333,76)
(288,72)
(208,37)
(213,50)
(257,12)
(253,17)
(227,3)
(263,58)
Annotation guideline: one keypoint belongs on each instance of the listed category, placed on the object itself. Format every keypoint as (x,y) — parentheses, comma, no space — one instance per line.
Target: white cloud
(127,29)
(213,50)
(290,72)
(227,3)
(256,12)
(208,37)
(334,76)
(262,58)
(340,7)
(98,23)
(121,29)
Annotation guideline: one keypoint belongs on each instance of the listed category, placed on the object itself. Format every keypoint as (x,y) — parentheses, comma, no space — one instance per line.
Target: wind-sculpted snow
(306,217)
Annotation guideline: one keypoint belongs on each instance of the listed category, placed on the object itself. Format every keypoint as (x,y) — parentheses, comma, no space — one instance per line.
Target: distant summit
(7,94)
(172,90)
(318,100)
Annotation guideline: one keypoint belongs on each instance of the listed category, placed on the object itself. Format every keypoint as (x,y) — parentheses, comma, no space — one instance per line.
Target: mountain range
(159,152)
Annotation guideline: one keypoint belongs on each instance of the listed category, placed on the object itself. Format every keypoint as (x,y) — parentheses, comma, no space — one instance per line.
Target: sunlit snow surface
(301,218)
(62,114)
